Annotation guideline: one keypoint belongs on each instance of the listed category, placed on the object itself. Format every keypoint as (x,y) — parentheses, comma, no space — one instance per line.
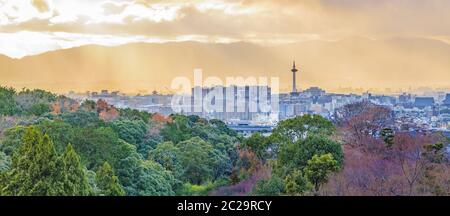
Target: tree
(5,162)
(155,180)
(296,183)
(195,157)
(258,144)
(296,155)
(8,105)
(246,165)
(363,119)
(88,105)
(35,102)
(105,111)
(36,168)
(64,104)
(39,109)
(222,165)
(132,114)
(388,136)
(145,178)
(107,182)
(222,127)
(75,178)
(12,139)
(319,168)
(97,145)
(220,148)
(179,129)
(300,127)
(272,187)
(81,118)
(59,132)
(132,131)
(409,153)
(168,155)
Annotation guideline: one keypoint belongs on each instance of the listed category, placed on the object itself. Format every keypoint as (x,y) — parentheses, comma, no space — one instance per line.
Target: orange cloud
(41,5)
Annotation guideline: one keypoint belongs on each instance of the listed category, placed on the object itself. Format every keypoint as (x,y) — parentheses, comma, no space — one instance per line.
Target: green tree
(12,139)
(39,109)
(155,180)
(296,155)
(196,161)
(145,178)
(75,178)
(258,144)
(388,136)
(8,106)
(300,127)
(107,182)
(319,168)
(59,131)
(132,114)
(35,102)
(178,130)
(168,155)
(132,131)
(296,184)
(82,118)
(97,145)
(36,168)
(272,187)
(223,128)
(221,164)
(5,162)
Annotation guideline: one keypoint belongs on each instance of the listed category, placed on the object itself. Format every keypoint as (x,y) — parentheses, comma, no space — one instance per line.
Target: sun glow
(353,41)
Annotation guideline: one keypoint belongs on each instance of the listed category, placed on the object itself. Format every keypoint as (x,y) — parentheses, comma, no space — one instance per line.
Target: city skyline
(224,98)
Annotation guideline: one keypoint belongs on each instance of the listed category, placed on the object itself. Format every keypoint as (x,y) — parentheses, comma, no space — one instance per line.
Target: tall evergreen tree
(35,168)
(75,178)
(108,182)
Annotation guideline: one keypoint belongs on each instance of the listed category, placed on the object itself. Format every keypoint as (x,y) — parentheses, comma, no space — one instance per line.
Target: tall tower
(294,82)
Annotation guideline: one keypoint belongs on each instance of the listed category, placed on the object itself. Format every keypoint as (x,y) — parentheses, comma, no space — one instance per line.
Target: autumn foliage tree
(361,120)
(64,104)
(382,160)
(105,111)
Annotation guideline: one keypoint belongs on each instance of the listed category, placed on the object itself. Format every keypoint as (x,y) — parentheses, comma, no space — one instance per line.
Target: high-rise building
(237,102)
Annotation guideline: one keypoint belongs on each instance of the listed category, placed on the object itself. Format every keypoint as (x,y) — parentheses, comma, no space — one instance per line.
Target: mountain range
(352,62)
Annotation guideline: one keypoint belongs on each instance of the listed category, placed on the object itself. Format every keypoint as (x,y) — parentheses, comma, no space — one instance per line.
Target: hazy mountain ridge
(351,62)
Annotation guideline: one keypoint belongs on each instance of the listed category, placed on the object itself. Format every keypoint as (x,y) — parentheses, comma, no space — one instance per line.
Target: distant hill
(356,62)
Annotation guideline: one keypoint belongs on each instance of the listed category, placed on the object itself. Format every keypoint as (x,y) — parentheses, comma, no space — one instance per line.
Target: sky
(33,27)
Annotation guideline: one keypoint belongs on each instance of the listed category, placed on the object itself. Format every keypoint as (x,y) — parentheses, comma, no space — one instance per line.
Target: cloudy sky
(33,26)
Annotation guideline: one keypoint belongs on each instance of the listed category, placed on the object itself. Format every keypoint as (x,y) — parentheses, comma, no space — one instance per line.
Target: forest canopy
(55,145)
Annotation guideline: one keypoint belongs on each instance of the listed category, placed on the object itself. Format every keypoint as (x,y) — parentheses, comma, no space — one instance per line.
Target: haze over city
(136,46)
(257,98)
